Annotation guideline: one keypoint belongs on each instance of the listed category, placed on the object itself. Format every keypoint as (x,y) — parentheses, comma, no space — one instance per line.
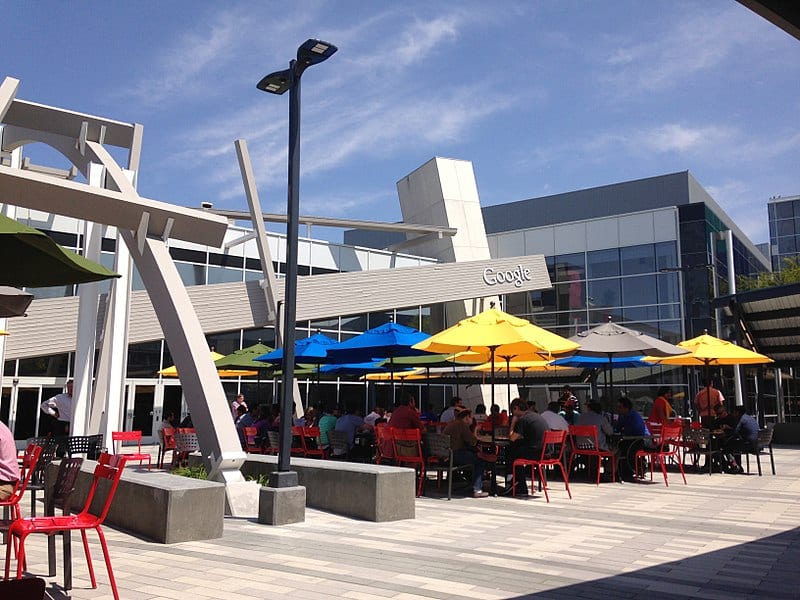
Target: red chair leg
(20,557)
(88,558)
(566,481)
(542,480)
(104,546)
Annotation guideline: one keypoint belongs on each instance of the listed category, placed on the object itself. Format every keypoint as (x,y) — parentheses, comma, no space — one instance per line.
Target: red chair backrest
(126,436)
(29,460)
(109,467)
(670,434)
(168,435)
(250,434)
(410,443)
(553,445)
(582,435)
(384,436)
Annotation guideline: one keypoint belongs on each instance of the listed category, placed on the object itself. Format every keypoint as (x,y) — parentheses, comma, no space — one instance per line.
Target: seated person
(9,466)
(465,450)
(427,415)
(450,412)
(527,433)
(594,416)
(350,423)
(377,413)
(479,416)
(554,420)
(326,423)
(630,424)
(405,415)
(570,412)
(743,439)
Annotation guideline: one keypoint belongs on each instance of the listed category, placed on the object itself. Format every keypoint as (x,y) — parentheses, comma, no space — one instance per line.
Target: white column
(10,211)
(89,295)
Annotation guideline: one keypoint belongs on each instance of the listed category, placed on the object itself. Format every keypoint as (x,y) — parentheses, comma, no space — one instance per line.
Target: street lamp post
(309,53)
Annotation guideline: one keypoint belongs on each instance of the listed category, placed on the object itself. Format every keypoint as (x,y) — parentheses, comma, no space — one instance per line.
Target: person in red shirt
(707,400)
(406,416)
(661,410)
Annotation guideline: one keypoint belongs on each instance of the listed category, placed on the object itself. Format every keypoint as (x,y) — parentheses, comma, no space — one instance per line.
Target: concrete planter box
(364,491)
(158,506)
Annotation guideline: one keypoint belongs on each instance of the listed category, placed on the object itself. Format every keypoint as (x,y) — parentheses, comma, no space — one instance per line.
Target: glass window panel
(668,287)
(543,301)
(44,366)
(550,261)
(191,274)
(785,227)
(787,245)
(639,290)
(50,292)
(144,360)
(784,210)
(8,368)
(604,293)
(408,317)
(517,303)
(669,311)
(601,315)
(640,313)
(376,319)
(773,229)
(638,259)
(666,255)
(224,274)
(570,267)
(433,318)
(224,343)
(325,324)
(603,263)
(670,331)
(354,323)
(265,335)
(571,295)
(253,275)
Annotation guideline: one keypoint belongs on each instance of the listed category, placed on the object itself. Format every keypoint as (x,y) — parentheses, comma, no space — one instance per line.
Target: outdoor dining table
(502,443)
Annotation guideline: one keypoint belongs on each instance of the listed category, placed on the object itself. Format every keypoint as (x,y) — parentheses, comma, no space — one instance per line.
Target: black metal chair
(90,445)
(439,458)
(339,445)
(59,498)
(37,484)
(30,588)
(764,443)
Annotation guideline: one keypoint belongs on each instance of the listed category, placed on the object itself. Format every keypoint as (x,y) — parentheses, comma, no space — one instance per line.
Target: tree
(789,273)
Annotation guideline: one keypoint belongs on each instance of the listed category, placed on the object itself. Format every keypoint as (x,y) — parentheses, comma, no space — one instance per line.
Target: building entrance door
(139,413)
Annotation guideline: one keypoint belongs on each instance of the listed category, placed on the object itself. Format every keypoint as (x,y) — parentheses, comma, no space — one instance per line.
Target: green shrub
(198,472)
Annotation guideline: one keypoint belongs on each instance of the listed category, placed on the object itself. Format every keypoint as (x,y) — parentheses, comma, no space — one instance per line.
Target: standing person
(60,407)
(527,433)
(237,402)
(706,400)
(567,398)
(661,409)
(465,449)
(9,466)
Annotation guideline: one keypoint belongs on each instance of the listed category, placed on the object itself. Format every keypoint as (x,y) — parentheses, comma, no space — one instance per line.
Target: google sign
(515,276)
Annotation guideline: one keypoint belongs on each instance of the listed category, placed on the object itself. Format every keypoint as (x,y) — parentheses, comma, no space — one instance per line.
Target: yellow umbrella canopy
(706,350)
(215,356)
(494,332)
(418,373)
(521,365)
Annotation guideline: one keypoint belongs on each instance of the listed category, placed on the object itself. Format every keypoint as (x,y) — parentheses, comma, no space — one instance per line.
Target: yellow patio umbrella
(707,351)
(3,332)
(496,333)
(415,374)
(215,356)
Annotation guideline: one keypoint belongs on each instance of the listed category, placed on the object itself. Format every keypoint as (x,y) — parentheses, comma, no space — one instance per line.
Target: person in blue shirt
(630,424)
(743,439)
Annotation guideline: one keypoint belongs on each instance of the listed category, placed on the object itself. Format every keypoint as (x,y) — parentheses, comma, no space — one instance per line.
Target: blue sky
(542,97)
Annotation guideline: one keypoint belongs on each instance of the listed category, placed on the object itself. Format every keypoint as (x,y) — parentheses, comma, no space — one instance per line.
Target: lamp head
(314,51)
(276,83)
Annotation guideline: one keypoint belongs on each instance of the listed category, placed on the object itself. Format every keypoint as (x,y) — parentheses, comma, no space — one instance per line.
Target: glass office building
(784,229)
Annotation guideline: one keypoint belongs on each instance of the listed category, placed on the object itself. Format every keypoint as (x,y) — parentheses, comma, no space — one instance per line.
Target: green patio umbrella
(245,359)
(32,259)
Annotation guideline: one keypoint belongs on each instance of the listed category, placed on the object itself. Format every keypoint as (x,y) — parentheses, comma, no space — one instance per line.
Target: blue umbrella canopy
(597,362)
(313,349)
(389,340)
(359,369)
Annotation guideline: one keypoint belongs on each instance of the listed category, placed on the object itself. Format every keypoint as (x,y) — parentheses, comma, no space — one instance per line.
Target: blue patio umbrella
(310,350)
(388,341)
(597,362)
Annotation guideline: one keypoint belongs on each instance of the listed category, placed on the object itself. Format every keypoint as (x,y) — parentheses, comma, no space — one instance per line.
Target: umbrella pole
(491,351)
(611,378)
(508,379)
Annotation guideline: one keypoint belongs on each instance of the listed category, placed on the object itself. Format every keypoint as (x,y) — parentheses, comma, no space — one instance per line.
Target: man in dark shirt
(744,438)
(527,432)
(632,427)
(465,452)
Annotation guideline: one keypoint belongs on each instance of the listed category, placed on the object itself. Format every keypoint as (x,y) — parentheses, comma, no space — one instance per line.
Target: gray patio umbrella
(610,341)
(13,302)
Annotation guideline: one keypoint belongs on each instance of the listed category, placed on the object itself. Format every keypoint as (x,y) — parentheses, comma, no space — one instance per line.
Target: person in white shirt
(377,413)
(456,404)
(60,407)
(239,401)
(594,416)
(554,420)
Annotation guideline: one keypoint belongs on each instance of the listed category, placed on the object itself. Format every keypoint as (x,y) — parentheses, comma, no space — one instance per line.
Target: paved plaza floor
(721,536)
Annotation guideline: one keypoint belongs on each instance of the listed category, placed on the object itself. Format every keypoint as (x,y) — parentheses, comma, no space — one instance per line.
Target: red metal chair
(251,444)
(552,451)
(668,447)
(312,443)
(408,452)
(132,436)
(583,441)
(384,444)
(109,468)
(166,444)
(29,460)
(298,443)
